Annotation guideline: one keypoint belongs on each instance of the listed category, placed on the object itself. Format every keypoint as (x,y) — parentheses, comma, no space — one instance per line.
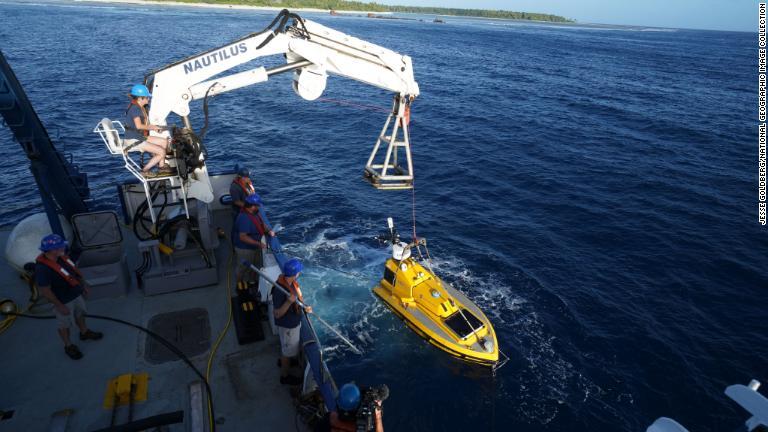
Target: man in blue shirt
(240,188)
(287,315)
(250,227)
(59,281)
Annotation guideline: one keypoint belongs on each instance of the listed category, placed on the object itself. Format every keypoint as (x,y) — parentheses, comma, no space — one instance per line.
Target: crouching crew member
(241,187)
(288,317)
(248,246)
(63,285)
(346,416)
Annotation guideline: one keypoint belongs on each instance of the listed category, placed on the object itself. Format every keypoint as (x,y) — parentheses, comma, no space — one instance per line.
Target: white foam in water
(489,293)
(548,380)
(341,294)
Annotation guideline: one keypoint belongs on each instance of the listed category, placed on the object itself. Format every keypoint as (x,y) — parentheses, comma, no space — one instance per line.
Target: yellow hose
(221,335)
(7,322)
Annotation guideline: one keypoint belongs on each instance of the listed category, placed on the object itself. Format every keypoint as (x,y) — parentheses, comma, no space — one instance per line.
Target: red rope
(354,105)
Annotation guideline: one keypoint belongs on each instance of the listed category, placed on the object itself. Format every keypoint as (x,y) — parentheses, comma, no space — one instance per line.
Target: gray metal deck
(38,379)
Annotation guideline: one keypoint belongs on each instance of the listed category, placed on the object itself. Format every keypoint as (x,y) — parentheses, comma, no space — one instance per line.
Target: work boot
(91,335)
(294,362)
(290,380)
(73,352)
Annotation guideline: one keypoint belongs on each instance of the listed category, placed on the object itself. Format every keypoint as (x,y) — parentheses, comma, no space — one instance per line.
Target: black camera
(366,415)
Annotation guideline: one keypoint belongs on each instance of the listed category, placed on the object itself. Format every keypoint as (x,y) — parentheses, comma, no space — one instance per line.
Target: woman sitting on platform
(137,129)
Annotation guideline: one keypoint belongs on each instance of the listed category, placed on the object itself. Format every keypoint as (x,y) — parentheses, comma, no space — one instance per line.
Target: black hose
(149,332)
(277,18)
(138,216)
(142,268)
(204,129)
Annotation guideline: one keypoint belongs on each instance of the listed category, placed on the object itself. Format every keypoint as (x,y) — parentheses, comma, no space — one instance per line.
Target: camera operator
(351,415)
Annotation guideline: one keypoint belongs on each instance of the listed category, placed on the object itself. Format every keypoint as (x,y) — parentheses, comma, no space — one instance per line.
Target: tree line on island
(342,5)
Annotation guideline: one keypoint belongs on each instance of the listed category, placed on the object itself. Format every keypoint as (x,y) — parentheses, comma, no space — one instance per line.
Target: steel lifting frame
(378,174)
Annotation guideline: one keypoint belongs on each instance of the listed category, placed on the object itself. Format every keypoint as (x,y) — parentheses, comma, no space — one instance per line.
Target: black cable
(138,216)
(142,268)
(149,262)
(283,18)
(277,18)
(300,20)
(149,332)
(165,201)
(204,129)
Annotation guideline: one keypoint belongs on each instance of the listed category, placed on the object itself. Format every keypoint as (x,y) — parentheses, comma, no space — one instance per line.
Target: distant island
(341,5)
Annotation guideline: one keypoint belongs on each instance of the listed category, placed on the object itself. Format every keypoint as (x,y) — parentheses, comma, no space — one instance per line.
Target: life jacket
(247,187)
(292,288)
(144,120)
(67,270)
(257,222)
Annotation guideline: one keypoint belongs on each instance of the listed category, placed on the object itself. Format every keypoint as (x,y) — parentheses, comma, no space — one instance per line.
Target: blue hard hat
(292,267)
(253,199)
(140,90)
(349,397)
(244,172)
(52,242)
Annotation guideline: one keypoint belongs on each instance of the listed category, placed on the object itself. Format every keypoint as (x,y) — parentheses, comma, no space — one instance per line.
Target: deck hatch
(97,229)
(189,330)
(459,325)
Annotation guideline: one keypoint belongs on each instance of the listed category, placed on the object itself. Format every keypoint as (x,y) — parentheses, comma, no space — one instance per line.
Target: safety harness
(144,121)
(67,271)
(144,118)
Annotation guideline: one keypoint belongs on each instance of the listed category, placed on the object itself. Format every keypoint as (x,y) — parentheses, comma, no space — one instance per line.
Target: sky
(737,15)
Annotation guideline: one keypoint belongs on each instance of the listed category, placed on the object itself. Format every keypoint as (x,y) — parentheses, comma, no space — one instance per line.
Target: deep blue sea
(593,189)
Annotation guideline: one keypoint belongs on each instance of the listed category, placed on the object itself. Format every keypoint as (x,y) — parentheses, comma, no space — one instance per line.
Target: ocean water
(593,189)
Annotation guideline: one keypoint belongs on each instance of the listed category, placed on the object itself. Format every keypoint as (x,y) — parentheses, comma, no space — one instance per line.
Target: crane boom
(312,52)
(327,51)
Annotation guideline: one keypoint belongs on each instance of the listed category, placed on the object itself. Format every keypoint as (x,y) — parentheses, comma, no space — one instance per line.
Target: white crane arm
(311,51)
(306,45)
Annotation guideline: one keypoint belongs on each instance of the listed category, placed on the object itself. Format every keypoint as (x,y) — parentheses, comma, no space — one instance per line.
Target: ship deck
(42,387)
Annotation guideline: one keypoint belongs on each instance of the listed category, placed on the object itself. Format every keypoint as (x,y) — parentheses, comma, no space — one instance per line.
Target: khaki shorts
(76,309)
(289,340)
(134,145)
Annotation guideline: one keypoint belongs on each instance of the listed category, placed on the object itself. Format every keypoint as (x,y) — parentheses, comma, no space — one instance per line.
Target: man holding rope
(249,229)
(288,317)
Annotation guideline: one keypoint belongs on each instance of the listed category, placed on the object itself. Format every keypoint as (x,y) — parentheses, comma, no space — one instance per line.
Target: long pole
(303,305)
